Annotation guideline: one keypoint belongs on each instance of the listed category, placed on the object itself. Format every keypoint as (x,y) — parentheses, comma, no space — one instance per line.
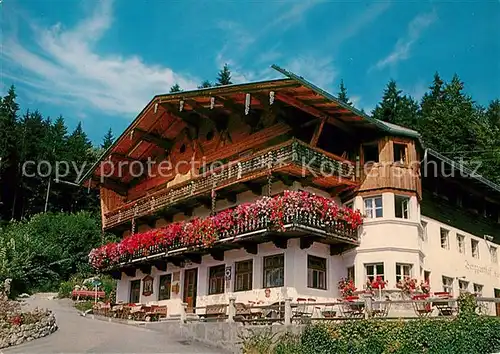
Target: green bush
(467,333)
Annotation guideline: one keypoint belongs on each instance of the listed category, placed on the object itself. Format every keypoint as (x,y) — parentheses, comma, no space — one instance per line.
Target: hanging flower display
(407,285)
(346,287)
(272,213)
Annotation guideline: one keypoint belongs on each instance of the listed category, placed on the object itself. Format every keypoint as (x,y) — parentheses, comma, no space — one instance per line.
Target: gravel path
(77,334)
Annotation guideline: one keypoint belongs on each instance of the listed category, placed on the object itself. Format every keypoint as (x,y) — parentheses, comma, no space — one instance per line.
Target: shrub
(467,333)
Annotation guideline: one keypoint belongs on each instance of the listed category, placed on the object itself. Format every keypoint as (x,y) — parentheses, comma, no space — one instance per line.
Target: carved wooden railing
(292,152)
(338,231)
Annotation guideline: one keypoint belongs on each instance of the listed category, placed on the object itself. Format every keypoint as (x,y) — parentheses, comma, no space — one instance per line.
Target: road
(77,334)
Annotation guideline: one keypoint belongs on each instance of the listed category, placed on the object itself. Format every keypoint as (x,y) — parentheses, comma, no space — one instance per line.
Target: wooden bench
(214,311)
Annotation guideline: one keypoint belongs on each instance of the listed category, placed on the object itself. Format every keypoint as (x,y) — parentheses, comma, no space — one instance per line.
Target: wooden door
(135,291)
(190,285)
(497,304)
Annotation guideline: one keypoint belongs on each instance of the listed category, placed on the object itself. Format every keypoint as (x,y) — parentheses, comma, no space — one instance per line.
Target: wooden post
(288,311)
(231,310)
(368,307)
(183,312)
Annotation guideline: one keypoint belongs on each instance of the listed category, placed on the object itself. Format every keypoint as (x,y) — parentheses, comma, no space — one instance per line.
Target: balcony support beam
(250,247)
(129,271)
(161,265)
(194,257)
(145,268)
(306,242)
(217,255)
(280,242)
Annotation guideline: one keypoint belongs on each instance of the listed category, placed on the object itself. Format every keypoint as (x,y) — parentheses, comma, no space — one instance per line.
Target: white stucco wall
(388,240)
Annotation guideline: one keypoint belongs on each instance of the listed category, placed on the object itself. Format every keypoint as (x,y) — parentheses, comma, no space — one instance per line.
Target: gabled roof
(293,90)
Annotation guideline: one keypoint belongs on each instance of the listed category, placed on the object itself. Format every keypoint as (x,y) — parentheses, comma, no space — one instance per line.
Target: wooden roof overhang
(152,134)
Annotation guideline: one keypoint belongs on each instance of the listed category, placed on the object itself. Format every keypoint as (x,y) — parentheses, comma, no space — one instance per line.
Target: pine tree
(224,76)
(8,153)
(493,113)
(342,95)
(205,84)
(387,110)
(397,108)
(175,88)
(107,141)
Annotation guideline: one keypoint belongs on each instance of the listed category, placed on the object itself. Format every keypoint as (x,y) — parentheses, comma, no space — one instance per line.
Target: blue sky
(100,62)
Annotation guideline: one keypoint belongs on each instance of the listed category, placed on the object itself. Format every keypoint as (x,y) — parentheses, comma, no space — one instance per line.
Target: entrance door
(135,291)
(497,304)
(190,285)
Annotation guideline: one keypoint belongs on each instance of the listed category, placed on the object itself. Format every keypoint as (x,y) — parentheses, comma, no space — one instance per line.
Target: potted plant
(347,289)
(407,286)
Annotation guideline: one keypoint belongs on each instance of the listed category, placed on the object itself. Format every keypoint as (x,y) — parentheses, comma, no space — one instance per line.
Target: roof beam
(155,139)
(317,132)
(310,110)
(115,186)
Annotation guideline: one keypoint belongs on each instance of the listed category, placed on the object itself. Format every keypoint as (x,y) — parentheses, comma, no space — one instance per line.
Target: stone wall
(17,334)
(224,335)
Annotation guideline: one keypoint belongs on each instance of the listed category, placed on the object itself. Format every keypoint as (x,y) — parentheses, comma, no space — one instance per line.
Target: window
(243,275)
(216,276)
(373,207)
(349,205)
(461,243)
(402,204)
(316,272)
(447,284)
(478,290)
(400,153)
(427,276)
(493,254)
(463,286)
(424,230)
(445,240)
(274,271)
(402,271)
(475,248)
(165,285)
(375,270)
(135,291)
(350,273)
(370,152)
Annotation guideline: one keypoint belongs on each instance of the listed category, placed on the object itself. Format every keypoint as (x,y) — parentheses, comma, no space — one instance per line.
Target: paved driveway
(77,334)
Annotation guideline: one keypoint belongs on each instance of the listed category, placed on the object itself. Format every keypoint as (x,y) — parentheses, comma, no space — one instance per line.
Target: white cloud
(294,15)
(317,69)
(63,65)
(404,44)
(358,23)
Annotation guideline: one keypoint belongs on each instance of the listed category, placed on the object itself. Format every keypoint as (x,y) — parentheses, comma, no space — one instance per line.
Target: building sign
(482,270)
(228,273)
(147,285)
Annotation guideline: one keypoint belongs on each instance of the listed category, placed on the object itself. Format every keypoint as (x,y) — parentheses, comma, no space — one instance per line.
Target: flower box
(296,207)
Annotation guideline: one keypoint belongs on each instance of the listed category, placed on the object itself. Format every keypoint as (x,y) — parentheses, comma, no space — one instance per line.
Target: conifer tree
(224,76)
(342,95)
(108,139)
(397,108)
(175,88)
(205,84)
(387,110)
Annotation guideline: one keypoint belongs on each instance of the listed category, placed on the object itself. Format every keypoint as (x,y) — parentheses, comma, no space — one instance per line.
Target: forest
(47,227)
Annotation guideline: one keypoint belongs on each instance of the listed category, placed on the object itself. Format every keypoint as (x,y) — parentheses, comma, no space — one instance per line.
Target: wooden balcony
(293,157)
(339,235)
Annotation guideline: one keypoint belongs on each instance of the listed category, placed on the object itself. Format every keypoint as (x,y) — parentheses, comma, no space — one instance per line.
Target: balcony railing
(290,153)
(338,231)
